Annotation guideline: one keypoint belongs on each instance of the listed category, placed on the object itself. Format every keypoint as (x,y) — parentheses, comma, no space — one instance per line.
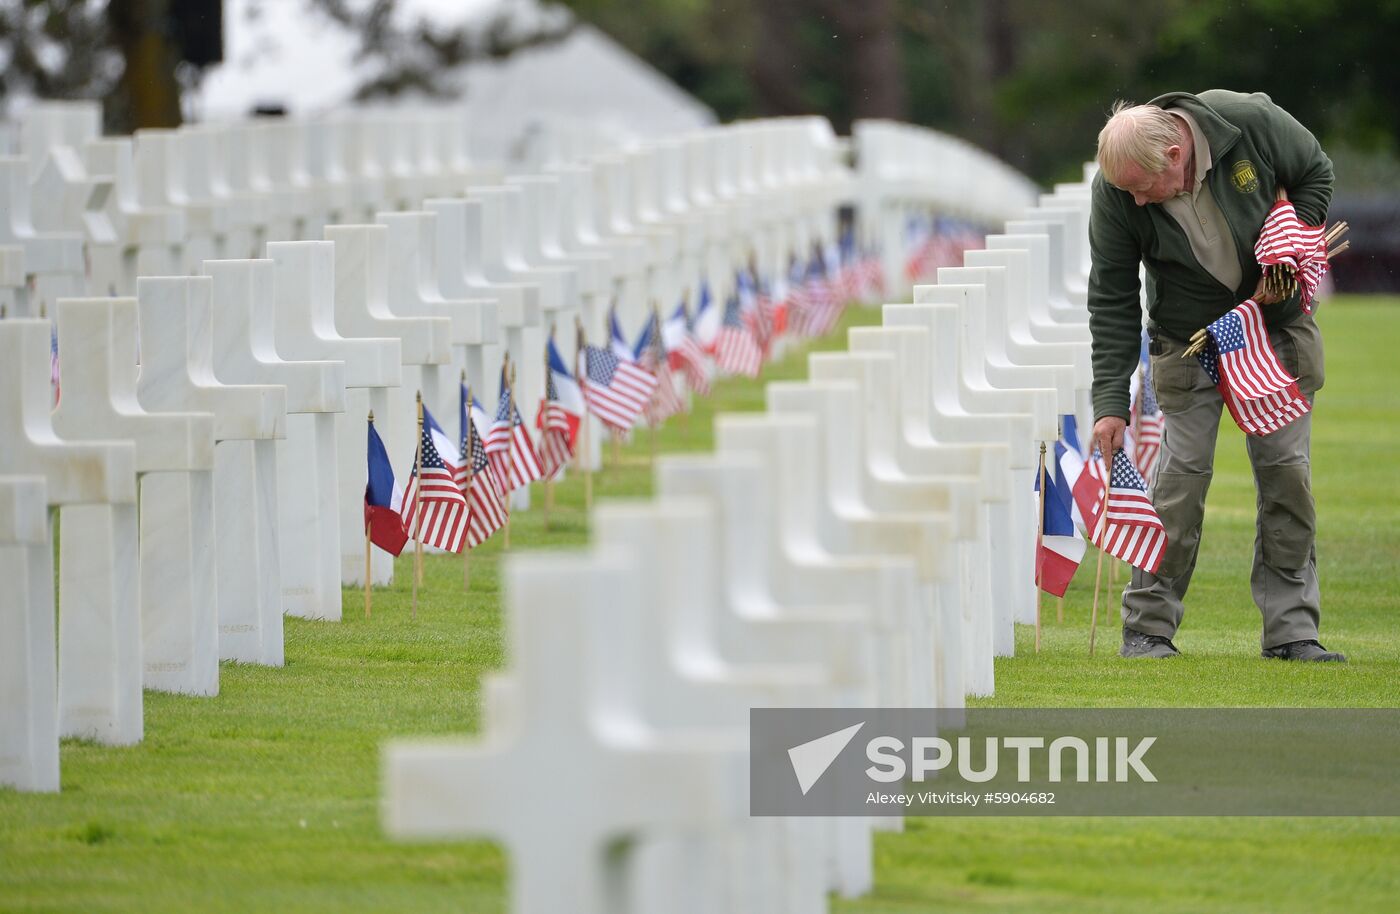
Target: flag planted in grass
(650,354)
(736,351)
(560,415)
(383,499)
(487,506)
(435,512)
(508,445)
(1129,528)
(683,351)
(1061,545)
(615,390)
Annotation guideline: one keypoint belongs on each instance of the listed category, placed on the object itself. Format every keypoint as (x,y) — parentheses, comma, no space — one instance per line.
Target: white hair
(1139,134)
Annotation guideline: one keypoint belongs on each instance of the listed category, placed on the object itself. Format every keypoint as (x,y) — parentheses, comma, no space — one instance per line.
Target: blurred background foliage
(1029,79)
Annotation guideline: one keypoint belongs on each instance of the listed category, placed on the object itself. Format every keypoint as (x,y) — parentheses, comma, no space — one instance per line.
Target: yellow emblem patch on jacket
(1244,178)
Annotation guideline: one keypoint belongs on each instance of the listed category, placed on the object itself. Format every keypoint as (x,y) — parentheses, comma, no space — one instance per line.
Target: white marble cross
(500,261)
(305,328)
(666,662)
(362,310)
(895,481)
(922,438)
(572,777)
(414,291)
(126,238)
(86,473)
(120,630)
(787,600)
(177,375)
(538,221)
(245,352)
(1062,307)
(161,183)
(53,261)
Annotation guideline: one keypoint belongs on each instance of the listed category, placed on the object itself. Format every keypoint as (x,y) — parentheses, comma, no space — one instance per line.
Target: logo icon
(1243,176)
(811,759)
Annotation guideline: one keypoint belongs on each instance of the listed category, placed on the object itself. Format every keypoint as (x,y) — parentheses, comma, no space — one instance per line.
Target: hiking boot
(1303,650)
(1140,644)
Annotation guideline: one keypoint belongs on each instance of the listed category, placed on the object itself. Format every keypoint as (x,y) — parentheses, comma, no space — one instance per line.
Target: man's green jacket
(1256,147)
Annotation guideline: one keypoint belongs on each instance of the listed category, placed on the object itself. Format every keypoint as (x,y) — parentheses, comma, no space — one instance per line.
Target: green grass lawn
(266,798)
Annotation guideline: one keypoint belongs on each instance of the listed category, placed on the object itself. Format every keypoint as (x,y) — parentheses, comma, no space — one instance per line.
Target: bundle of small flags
(1294,255)
(1234,350)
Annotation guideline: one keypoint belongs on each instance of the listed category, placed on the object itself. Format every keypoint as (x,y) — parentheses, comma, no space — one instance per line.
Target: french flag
(383,500)
(1062,546)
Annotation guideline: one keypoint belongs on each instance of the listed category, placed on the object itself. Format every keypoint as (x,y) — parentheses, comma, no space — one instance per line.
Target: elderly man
(1183,187)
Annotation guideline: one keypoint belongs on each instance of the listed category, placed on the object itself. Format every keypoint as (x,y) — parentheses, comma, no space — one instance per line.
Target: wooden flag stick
(584,455)
(469,434)
(1098,569)
(508,375)
(1039,545)
(417,511)
(368,547)
(1060,609)
(548,483)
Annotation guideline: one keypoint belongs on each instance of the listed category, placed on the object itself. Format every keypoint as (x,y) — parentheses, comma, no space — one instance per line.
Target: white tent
(286,53)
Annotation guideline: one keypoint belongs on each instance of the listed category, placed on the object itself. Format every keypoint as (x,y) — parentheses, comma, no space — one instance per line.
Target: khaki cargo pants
(1284,578)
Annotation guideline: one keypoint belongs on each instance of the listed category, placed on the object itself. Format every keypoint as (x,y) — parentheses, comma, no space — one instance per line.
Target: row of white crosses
(223,409)
(867,540)
(163,201)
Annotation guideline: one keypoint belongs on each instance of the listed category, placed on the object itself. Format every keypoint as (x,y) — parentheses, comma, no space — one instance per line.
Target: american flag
(1284,239)
(617,391)
(508,445)
(822,305)
(1131,530)
(683,352)
(1149,424)
(651,355)
(756,308)
(487,506)
(1259,393)
(736,351)
(560,413)
(435,511)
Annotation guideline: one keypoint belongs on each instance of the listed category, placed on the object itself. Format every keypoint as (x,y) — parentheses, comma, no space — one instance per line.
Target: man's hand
(1263,296)
(1108,435)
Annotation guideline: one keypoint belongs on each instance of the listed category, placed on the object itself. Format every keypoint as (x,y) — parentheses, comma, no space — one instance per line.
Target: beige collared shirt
(1201,219)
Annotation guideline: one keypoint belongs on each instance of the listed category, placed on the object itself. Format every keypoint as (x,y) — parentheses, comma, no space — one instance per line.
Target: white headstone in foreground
(610,779)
